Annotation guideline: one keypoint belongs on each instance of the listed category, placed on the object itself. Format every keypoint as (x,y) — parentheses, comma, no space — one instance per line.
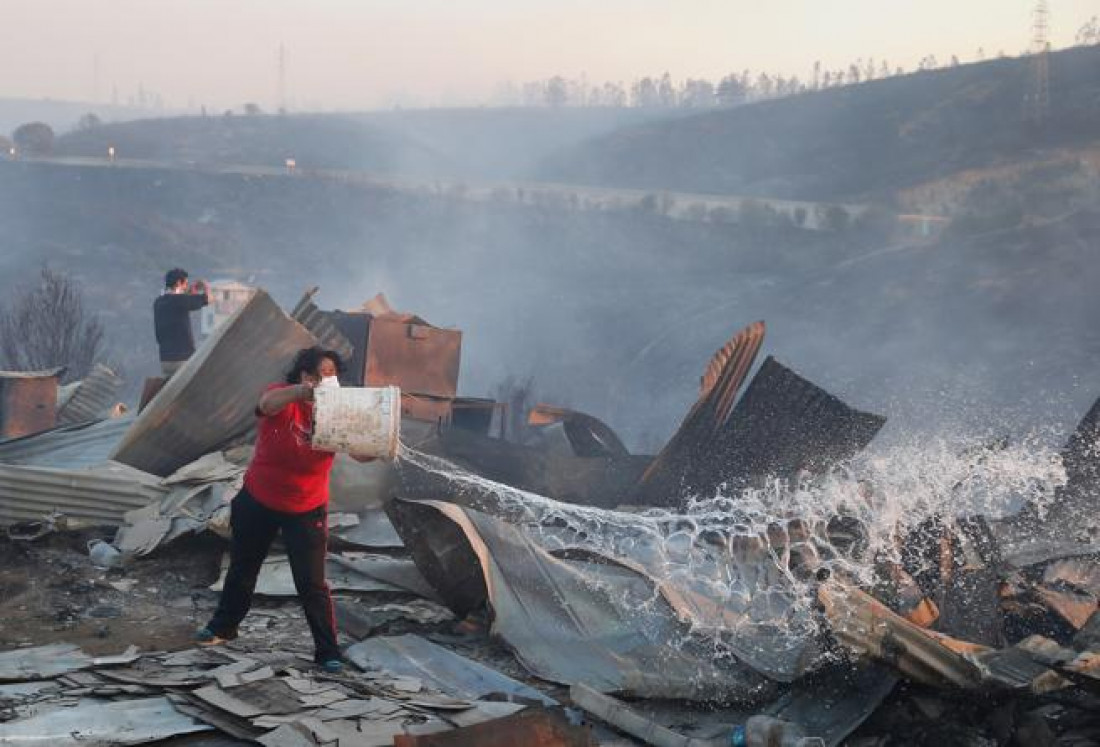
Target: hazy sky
(369,53)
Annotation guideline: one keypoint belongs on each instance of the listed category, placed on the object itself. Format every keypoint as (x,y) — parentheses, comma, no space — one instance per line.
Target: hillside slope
(480,144)
(315,141)
(612,312)
(853,143)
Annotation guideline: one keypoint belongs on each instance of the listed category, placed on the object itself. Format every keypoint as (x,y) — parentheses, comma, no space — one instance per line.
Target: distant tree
(1089,33)
(556,93)
(5,146)
(697,94)
(49,326)
(763,86)
(643,93)
(89,121)
(666,92)
(731,91)
(614,95)
(834,217)
(757,216)
(252,109)
(579,92)
(34,138)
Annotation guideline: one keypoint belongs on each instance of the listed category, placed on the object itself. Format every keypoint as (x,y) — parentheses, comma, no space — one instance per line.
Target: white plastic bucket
(358,421)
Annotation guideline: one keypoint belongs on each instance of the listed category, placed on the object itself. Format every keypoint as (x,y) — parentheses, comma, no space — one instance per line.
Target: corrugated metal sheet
(83,445)
(320,325)
(784,424)
(568,619)
(664,480)
(101,494)
(212,399)
(94,396)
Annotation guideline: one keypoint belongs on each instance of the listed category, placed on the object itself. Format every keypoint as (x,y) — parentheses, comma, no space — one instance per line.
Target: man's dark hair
(173,276)
(308,360)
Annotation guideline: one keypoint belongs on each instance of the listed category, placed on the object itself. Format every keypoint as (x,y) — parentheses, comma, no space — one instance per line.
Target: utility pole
(282,78)
(1037,98)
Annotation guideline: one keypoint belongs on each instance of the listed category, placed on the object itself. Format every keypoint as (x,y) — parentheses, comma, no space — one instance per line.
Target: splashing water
(739,568)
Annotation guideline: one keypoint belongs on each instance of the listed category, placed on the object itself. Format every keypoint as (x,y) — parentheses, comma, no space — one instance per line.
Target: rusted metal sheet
(664,481)
(321,326)
(419,358)
(28,402)
(149,390)
(531,727)
(101,494)
(869,628)
(93,398)
(212,399)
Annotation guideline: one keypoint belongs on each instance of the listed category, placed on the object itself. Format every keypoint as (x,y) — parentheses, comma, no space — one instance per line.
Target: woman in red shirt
(285,488)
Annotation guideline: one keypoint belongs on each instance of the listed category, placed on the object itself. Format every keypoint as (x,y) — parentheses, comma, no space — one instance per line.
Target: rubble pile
(757,582)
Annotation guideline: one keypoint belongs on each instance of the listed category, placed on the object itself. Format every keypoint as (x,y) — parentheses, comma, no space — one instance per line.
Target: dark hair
(308,360)
(174,276)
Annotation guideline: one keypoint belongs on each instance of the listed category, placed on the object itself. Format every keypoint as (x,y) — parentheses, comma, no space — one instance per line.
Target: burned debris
(746,583)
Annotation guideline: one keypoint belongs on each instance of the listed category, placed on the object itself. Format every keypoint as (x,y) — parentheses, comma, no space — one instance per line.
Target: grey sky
(368,53)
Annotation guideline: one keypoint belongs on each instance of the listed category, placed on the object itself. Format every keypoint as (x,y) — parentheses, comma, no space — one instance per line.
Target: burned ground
(50,592)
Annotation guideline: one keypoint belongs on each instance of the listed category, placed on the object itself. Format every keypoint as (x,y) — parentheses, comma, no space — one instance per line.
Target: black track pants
(306,538)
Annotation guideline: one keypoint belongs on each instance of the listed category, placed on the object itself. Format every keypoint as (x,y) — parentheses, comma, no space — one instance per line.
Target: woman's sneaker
(332,666)
(206,637)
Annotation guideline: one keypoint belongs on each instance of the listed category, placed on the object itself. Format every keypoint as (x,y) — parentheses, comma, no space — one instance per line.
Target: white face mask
(329,382)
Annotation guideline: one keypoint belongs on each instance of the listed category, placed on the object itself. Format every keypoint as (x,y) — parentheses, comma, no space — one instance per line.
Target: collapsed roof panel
(784,424)
(441,669)
(92,398)
(570,620)
(102,494)
(83,445)
(663,481)
(320,325)
(211,400)
(92,722)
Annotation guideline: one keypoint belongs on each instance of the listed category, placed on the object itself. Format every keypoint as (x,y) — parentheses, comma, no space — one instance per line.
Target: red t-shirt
(286,473)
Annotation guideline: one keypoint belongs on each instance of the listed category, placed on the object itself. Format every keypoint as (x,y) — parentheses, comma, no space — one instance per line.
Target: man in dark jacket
(172,319)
